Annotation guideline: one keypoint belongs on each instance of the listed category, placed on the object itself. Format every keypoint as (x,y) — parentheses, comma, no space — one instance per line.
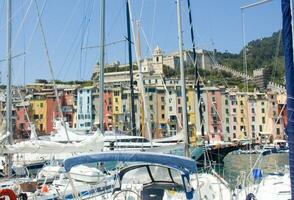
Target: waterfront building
(213,113)
(84,108)
(22,126)
(226,113)
(38,113)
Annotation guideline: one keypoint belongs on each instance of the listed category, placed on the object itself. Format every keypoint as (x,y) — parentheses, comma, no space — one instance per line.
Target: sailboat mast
(197,81)
(287,9)
(145,116)
(183,82)
(101,64)
(133,122)
(8,90)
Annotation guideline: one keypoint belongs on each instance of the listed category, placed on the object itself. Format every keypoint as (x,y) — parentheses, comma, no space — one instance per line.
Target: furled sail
(289,73)
(93,143)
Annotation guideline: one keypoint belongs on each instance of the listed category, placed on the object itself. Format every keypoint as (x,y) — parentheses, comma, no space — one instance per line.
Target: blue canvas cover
(289,73)
(178,162)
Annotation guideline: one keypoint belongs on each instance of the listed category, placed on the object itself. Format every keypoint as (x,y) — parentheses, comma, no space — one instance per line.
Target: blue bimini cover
(178,162)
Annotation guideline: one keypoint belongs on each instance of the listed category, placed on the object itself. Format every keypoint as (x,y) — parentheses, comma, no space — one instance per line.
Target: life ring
(250,196)
(8,192)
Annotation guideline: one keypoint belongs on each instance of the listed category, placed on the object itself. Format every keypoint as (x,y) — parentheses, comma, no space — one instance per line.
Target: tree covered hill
(264,52)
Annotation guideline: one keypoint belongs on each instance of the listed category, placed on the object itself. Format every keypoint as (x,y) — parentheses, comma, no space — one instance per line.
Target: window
(226,102)
(234,110)
(179,101)
(242,111)
(242,120)
(162,99)
(116,100)
(162,116)
(263,110)
(179,109)
(116,108)
(170,108)
(262,103)
(116,93)
(235,119)
(263,120)
(241,103)
(260,128)
(278,131)
(234,127)
(162,107)
(124,108)
(88,100)
(41,116)
(252,110)
(189,107)
(213,99)
(151,107)
(253,119)
(215,129)
(227,111)
(253,128)
(228,129)
(227,120)
(41,105)
(150,98)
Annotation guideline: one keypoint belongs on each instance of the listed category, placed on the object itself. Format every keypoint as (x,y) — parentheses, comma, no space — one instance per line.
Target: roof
(184,164)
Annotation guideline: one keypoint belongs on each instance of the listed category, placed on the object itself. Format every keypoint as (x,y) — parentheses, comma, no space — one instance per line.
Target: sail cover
(184,164)
(93,143)
(289,73)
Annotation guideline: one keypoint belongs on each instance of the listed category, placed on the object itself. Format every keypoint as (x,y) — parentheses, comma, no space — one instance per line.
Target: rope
(51,68)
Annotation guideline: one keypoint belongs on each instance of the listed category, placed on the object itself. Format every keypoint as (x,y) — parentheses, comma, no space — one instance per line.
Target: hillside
(262,52)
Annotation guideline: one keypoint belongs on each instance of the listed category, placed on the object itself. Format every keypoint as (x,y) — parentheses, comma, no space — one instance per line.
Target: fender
(8,192)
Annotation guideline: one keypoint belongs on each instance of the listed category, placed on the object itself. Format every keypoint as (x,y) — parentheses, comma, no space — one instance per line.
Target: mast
(183,82)
(101,64)
(8,89)
(197,80)
(141,83)
(288,36)
(133,122)
(8,95)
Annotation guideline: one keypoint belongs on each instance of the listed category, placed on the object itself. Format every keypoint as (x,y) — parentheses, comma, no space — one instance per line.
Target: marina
(197,123)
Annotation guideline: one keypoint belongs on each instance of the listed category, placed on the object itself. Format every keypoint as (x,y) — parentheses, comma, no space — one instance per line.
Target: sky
(72,26)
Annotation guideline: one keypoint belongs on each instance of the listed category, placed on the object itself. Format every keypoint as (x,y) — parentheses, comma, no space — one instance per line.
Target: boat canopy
(183,164)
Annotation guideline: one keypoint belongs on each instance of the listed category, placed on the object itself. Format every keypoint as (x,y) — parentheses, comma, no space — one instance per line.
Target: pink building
(233,111)
(21,123)
(214,114)
(108,110)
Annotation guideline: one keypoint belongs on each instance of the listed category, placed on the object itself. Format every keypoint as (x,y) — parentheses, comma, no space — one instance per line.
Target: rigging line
(153,22)
(36,27)
(12,17)
(87,31)
(145,38)
(21,24)
(65,27)
(24,48)
(141,10)
(78,37)
(51,68)
(109,44)
(115,21)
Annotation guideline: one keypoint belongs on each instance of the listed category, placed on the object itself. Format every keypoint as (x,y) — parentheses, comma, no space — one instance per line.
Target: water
(235,164)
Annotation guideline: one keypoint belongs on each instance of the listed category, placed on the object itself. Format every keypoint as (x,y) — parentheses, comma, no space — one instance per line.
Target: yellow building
(38,114)
(116,106)
(242,116)
(191,110)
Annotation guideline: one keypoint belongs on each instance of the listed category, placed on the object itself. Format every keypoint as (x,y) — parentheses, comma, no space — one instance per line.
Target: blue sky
(72,24)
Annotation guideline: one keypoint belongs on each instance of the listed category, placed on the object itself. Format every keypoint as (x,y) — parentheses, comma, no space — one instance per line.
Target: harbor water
(235,164)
